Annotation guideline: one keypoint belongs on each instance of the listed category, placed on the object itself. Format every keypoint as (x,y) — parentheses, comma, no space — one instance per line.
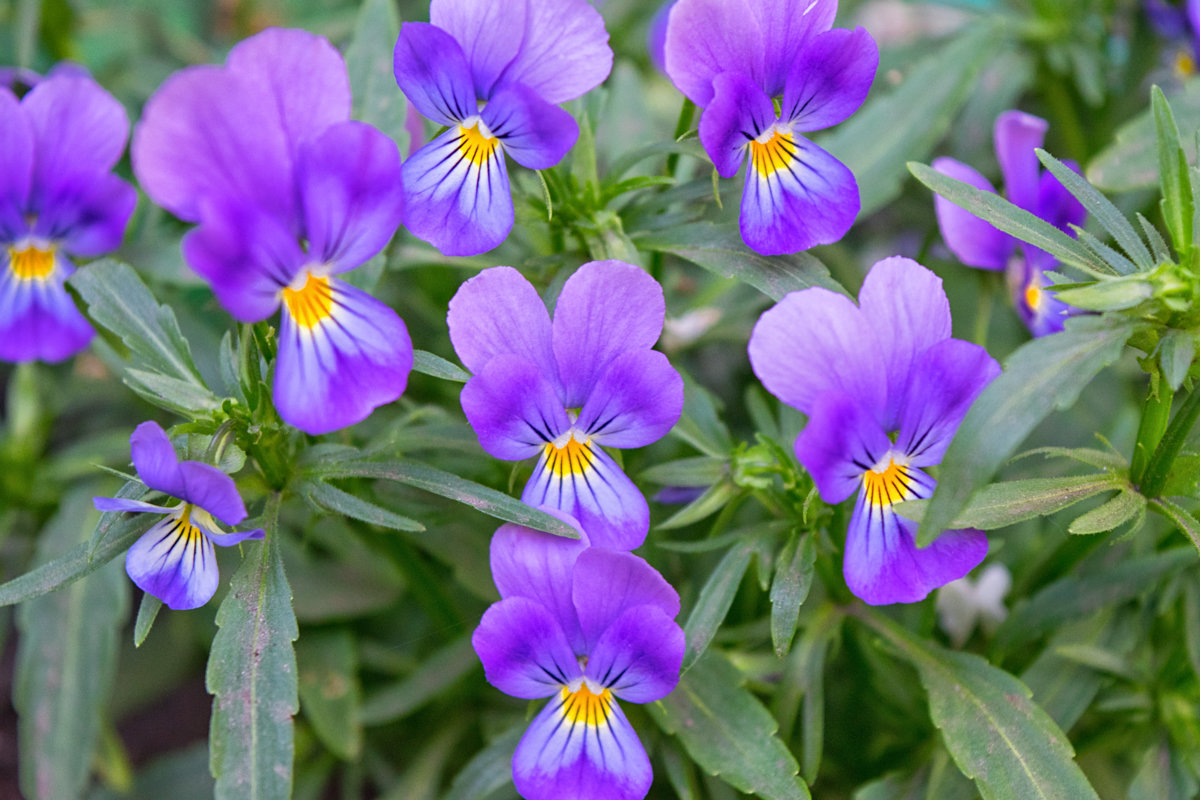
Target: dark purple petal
(38,319)
(524,650)
(796,196)
(489,35)
(342,354)
(499,311)
(608,583)
(943,382)
(155,460)
(16,167)
(208,488)
(457,194)
(535,133)
(605,309)
(351,194)
(175,562)
(87,218)
(637,401)
(815,340)
(432,71)
(123,504)
(514,410)
(638,656)
(538,566)
(829,79)
(738,114)
(841,441)
(581,747)
(563,53)
(1058,206)
(974,242)
(1017,135)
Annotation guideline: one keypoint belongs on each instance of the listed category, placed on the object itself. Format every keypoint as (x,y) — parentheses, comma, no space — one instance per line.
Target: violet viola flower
(977,244)
(58,198)
(288,193)
(733,58)
(583,626)
(494,74)
(560,390)
(175,560)
(885,388)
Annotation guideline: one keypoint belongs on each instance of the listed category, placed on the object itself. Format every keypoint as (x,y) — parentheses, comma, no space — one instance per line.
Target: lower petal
(38,319)
(581,746)
(175,562)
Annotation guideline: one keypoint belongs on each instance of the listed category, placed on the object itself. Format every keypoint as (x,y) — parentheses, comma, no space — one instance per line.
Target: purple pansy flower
(494,74)
(583,626)
(885,388)
(175,560)
(58,198)
(977,244)
(560,390)
(733,58)
(288,193)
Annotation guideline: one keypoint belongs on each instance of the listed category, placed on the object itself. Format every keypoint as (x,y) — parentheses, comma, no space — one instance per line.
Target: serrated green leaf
(340,502)
(377,99)
(1042,375)
(1173,174)
(429,364)
(789,590)
(330,696)
(714,601)
(489,770)
(1110,295)
(1112,514)
(437,673)
(184,397)
(996,734)
(999,505)
(1188,525)
(728,732)
(1101,459)
(252,677)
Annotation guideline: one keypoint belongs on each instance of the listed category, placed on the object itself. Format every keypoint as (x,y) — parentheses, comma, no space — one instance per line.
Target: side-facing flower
(493,73)
(977,244)
(560,390)
(583,626)
(58,198)
(175,560)
(885,388)
(734,58)
(289,193)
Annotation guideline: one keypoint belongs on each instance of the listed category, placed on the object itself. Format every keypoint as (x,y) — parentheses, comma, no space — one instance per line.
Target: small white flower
(964,602)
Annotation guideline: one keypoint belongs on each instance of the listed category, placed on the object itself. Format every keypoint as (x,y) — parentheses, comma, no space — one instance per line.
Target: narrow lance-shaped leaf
(714,601)
(1173,174)
(369,63)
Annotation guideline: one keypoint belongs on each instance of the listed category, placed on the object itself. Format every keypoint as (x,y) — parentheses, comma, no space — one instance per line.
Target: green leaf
(1109,295)
(1183,519)
(147,613)
(789,590)
(252,677)
(329,690)
(996,734)
(999,505)
(1176,351)
(377,99)
(1185,474)
(717,497)
(728,732)
(66,660)
(1114,513)
(1131,161)
(1173,174)
(700,424)
(489,770)
(340,502)
(182,397)
(714,601)
(437,673)
(697,471)
(1041,375)
(429,364)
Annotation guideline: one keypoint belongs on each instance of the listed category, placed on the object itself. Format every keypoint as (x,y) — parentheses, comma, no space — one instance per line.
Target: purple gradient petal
(350,192)
(432,71)
(815,340)
(607,504)
(788,28)
(489,35)
(739,113)
(639,655)
(461,207)
(605,309)
(656,37)
(155,460)
(499,311)
(882,563)
(234,537)
(177,566)
(514,410)
(538,566)
(16,167)
(943,382)
(811,200)
(1058,206)
(637,400)
(336,373)
(564,50)
(535,133)
(38,318)
(207,487)
(1017,135)
(1046,314)
(841,441)
(974,242)
(608,583)
(88,218)
(829,79)
(557,759)
(123,504)
(524,650)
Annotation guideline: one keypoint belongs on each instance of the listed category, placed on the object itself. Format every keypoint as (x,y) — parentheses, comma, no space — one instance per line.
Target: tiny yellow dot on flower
(1033,296)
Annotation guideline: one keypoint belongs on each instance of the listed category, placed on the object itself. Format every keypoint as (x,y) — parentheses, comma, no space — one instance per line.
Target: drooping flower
(583,626)
(735,59)
(58,200)
(175,560)
(288,193)
(493,73)
(885,388)
(963,603)
(977,244)
(561,390)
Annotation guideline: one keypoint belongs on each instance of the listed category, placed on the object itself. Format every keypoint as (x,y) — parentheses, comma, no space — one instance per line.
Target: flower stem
(1155,414)
(682,126)
(1159,468)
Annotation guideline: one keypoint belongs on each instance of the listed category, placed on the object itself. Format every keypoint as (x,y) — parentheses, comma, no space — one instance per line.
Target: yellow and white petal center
(888,483)
(31,263)
(585,707)
(568,455)
(310,303)
(772,151)
(475,142)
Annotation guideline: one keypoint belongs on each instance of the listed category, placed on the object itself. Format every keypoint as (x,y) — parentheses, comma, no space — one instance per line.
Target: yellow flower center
(311,304)
(887,486)
(583,706)
(774,154)
(475,145)
(31,263)
(573,457)
(1033,296)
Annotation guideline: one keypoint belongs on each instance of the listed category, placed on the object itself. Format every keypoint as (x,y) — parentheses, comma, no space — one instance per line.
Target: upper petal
(432,71)
(606,584)
(489,36)
(499,311)
(638,655)
(739,113)
(87,217)
(524,651)
(513,409)
(1017,135)
(538,566)
(535,133)
(563,53)
(16,165)
(637,400)
(1058,206)
(155,460)
(829,79)
(974,242)
(841,441)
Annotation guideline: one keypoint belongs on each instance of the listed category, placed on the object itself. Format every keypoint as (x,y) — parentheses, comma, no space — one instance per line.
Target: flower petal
(796,196)
(581,747)
(432,71)
(499,311)
(829,79)
(457,193)
(175,562)
(1058,206)
(535,133)
(538,566)
(342,354)
(638,656)
(841,441)
(351,193)
(739,114)
(637,400)
(605,309)
(1017,135)
(514,410)
(608,583)
(488,34)
(16,167)
(524,651)
(155,460)
(974,242)
(87,218)
(1041,310)
(38,319)
(124,504)
(208,488)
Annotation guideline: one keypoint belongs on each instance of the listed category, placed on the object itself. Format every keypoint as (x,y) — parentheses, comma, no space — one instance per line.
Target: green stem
(1155,414)
(987,300)
(682,126)
(1172,442)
